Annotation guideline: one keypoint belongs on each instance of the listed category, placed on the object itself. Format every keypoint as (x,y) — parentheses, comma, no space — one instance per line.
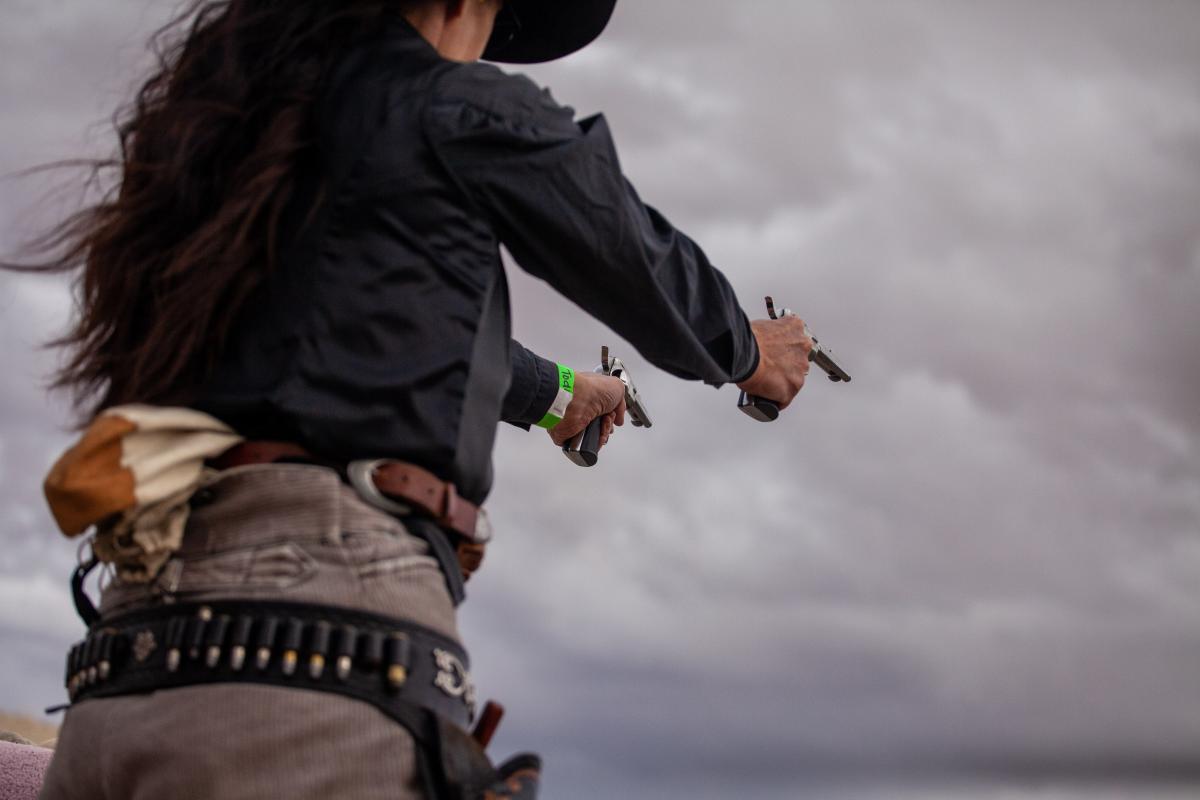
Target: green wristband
(566,388)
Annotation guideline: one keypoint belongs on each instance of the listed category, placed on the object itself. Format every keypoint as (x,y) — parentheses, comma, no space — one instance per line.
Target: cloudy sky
(973,572)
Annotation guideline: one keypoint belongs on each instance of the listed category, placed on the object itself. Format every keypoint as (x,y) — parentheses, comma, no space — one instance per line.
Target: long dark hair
(210,150)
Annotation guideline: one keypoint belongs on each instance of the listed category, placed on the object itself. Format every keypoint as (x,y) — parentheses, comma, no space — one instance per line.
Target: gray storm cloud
(974,567)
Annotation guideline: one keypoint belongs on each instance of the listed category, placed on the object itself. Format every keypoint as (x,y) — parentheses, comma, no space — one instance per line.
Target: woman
(295,302)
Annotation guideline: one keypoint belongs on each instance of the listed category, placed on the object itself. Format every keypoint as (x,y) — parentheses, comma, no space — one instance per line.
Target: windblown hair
(210,153)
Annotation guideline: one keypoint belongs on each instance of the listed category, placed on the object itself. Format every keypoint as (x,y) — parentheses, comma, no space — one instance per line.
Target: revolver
(584,448)
(765,410)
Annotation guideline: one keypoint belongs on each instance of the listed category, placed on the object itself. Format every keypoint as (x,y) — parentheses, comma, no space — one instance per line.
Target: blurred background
(973,572)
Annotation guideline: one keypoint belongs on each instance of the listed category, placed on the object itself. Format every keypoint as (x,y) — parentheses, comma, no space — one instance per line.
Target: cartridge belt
(392,664)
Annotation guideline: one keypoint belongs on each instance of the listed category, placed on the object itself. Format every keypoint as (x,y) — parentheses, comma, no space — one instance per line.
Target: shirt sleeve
(532,390)
(554,192)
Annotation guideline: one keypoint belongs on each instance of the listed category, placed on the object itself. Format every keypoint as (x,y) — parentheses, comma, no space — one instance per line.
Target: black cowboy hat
(530,31)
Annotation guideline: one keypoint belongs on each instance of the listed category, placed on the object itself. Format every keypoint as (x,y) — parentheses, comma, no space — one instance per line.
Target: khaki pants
(269,532)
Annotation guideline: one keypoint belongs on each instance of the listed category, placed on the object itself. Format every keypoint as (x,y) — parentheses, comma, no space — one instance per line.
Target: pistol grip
(759,408)
(584,447)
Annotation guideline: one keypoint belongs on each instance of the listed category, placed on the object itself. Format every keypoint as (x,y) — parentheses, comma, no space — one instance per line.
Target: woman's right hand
(783,348)
(595,396)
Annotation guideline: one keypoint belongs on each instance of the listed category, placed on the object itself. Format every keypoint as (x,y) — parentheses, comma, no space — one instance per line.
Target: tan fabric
(88,483)
(142,539)
(131,476)
(288,532)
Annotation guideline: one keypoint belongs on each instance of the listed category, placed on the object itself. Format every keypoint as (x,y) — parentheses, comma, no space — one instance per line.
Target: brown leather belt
(410,487)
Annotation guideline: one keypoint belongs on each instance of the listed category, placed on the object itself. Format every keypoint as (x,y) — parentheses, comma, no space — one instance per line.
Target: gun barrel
(821,357)
(633,401)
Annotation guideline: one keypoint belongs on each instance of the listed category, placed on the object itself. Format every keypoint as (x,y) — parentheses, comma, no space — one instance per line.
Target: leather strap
(260,452)
(400,481)
(83,604)
(437,499)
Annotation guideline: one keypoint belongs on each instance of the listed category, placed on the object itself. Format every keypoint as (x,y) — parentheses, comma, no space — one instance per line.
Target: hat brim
(549,29)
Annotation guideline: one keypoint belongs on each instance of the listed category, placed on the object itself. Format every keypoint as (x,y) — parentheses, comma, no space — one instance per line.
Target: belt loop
(361,475)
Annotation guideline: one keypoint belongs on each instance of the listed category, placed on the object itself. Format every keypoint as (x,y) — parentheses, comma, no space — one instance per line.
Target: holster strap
(438,499)
(405,483)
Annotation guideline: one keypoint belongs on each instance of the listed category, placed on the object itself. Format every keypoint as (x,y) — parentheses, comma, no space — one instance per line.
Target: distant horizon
(35,730)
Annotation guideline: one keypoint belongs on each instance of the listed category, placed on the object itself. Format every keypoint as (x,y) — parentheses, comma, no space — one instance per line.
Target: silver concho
(453,678)
(143,645)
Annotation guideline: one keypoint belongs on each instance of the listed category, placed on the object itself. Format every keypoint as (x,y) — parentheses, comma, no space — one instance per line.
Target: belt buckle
(362,477)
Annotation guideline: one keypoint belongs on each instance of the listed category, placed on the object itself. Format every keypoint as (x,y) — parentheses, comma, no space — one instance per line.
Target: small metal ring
(483,528)
(362,477)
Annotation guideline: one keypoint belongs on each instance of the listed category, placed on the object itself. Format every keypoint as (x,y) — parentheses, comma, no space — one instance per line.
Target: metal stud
(319,649)
(91,657)
(266,641)
(347,643)
(196,634)
(176,629)
(216,639)
(108,645)
(241,638)
(293,635)
(397,660)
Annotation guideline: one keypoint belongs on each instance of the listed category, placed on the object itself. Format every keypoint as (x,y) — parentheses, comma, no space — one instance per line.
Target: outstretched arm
(554,193)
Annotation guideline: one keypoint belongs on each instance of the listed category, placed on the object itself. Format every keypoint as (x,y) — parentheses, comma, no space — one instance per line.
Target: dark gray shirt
(385,332)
